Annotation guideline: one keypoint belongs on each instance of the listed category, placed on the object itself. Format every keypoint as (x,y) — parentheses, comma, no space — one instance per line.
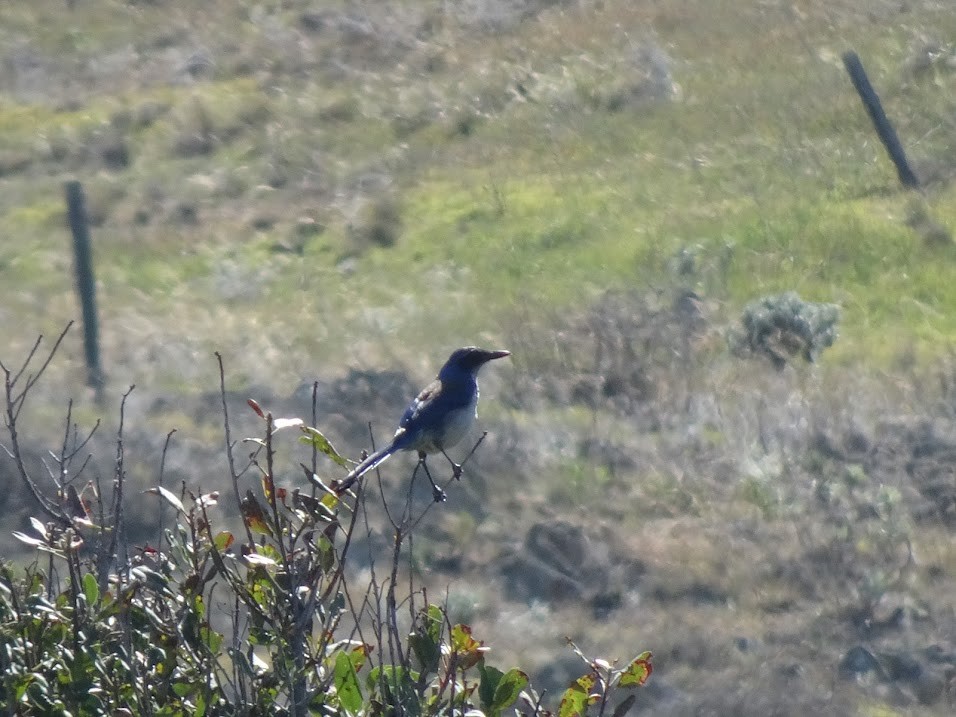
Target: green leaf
(91,590)
(434,618)
(426,640)
(358,655)
(636,674)
(183,689)
(575,700)
(223,540)
(508,689)
(326,553)
(395,686)
(468,651)
(347,684)
(314,437)
(490,678)
(393,674)
(21,686)
(212,639)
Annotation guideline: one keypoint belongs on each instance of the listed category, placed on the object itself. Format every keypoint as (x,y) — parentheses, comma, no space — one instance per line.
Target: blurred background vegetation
(342,192)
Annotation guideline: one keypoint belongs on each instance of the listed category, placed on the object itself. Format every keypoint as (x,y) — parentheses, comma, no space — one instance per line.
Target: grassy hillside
(314,187)
(249,159)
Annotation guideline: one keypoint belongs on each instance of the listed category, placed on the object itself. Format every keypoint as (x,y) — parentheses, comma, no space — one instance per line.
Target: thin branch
(26,361)
(31,381)
(15,452)
(269,479)
(86,462)
(162,473)
(339,574)
(315,421)
(119,475)
(77,447)
(69,451)
(60,479)
(229,444)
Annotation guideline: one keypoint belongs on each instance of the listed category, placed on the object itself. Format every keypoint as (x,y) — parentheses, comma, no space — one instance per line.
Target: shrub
(783,326)
(106,628)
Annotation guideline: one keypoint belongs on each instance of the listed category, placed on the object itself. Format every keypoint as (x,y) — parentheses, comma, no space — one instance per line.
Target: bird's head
(469,359)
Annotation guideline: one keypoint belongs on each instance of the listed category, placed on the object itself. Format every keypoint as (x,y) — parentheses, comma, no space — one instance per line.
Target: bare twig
(118,533)
(27,360)
(162,474)
(31,381)
(229,444)
(315,422)
(14,402)
(69,449)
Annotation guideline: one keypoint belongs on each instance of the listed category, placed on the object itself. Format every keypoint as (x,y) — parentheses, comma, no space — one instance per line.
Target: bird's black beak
(472,358)
(487,355)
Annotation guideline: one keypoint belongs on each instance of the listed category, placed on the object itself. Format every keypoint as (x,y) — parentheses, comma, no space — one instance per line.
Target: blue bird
(438,418)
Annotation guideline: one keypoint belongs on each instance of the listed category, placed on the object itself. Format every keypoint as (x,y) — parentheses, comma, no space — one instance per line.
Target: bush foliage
(784,326)
(266,620)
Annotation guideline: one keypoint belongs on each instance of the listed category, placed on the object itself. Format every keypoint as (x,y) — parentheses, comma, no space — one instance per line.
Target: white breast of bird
(456,426)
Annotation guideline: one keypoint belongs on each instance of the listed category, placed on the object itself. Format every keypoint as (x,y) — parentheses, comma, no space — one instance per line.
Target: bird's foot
(437,493)
(455,467)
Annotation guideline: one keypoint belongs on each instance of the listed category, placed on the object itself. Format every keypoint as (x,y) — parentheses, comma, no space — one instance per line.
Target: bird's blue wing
(421,403)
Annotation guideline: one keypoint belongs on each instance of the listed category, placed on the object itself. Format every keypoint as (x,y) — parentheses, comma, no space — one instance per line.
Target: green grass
(774,164)
(764,167)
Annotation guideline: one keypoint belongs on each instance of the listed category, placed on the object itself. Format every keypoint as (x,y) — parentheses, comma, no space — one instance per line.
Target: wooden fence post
(884,128)
(85,282)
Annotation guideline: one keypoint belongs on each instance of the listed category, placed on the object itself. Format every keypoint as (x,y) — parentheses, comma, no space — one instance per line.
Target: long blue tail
(370,463)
